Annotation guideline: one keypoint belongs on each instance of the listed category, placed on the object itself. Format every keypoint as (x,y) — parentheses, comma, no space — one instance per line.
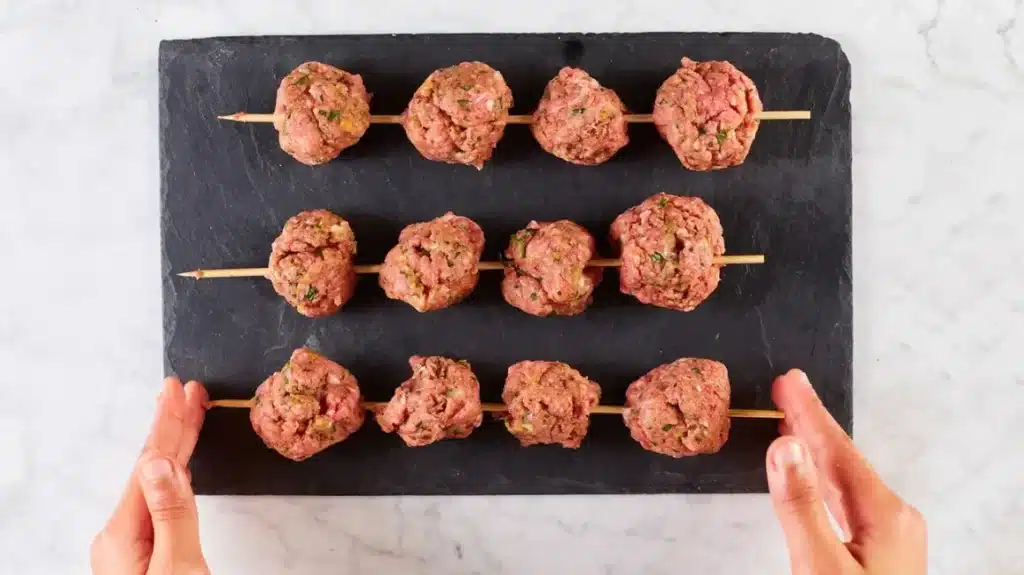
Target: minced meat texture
(320,111)
(707,112)
(435,263)
(546,269)
(578,120)
(311,404)
(311,263)
(668,247)
(458,114)
(440,401)
(548,402)
(680,408)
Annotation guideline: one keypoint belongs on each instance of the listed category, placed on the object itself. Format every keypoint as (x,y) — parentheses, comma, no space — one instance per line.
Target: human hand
(814,465)
(155,529)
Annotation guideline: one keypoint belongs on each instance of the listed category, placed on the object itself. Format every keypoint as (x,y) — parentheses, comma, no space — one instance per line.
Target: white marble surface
(939,140)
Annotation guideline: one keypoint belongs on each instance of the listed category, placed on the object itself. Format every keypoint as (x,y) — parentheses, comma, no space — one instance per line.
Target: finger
(831,495)
(131,517)
(195,411)
(166,433)
(172,506)
(793,483)
(861,498)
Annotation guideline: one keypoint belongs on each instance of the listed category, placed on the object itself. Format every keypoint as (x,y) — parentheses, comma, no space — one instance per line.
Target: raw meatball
(311,263)
(578,120)
(441,400)
(680,408)
(459,114)
(311,404)
(546,269)
(435,263)
(320,111)
(668,246)
(707,112)
(548,402)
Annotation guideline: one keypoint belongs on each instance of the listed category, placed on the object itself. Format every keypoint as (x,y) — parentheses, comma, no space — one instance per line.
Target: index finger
(864,498)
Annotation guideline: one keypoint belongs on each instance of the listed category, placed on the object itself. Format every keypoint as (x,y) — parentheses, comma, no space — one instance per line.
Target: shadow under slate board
(227,189)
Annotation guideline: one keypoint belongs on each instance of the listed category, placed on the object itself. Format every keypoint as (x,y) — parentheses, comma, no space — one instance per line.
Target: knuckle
(799,497)
(171,510)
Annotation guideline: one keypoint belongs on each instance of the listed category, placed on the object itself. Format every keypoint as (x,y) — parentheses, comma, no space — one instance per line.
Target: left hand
(155,529)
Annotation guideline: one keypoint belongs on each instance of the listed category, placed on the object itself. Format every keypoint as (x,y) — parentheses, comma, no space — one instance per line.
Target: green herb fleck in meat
(463,103)
(302,80)
(577,111)
(701,130)
(520,240)
(533,296)
(467,87)
(696,370)
(656,256)
(662,202)
(451,392)
(333,115)
(721,136)
(667,427)
(311,294)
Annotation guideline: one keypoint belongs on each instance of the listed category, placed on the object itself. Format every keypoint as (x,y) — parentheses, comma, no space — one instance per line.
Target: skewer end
(193,274)
(232,117)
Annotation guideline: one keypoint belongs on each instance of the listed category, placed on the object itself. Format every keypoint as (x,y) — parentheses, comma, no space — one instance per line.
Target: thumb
(796,495)
(172,506)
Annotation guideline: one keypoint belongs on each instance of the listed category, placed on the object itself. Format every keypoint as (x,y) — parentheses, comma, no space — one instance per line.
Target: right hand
(815,464)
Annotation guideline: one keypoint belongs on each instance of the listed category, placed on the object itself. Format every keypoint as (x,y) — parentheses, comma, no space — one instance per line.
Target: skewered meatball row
(677,409)
(668,247)
(706,111)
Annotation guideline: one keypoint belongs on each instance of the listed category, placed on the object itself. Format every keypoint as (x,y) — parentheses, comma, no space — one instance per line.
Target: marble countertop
(939,323)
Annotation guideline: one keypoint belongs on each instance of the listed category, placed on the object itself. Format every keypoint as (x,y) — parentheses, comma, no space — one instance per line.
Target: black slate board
(227,189)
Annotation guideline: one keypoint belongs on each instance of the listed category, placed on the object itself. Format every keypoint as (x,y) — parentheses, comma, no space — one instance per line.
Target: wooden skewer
(520,119)
(484,266)
(499,408)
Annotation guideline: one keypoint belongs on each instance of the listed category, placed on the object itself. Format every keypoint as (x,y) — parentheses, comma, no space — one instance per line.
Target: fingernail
(157,469)
(800,376)
(790,456)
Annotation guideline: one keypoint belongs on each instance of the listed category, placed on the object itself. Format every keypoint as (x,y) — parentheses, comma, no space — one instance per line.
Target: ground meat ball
(459,114)
(668,246)
(435,263)
(311,404)
(680,408)
(548,402)
(546,271)
(320,111)
(578,120)
(441,400)
(707,112)
(311,263)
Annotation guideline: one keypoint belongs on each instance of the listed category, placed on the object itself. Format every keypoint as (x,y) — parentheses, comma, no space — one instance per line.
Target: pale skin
(812,467)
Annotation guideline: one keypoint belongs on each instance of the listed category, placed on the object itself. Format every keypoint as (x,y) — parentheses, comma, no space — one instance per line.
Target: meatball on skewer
(320,111)
(458,114)
(311,263)
(578,120)
(440,401)
(548,402)
(311,404)
(708,112)
(669,245)
(680,408)
(546,269)
(435,264)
